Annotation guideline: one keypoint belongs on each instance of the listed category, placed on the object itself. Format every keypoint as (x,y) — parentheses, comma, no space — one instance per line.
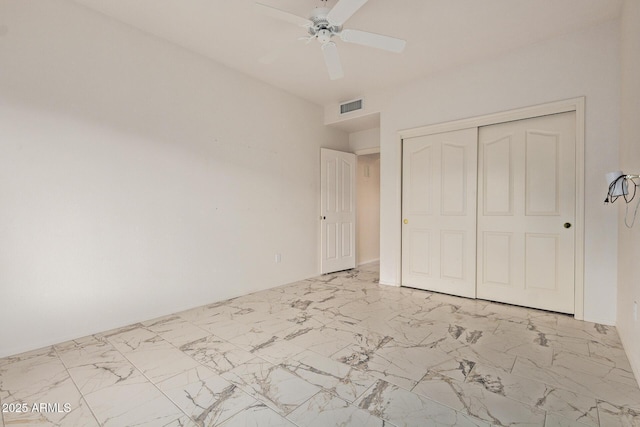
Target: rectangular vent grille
(350,106)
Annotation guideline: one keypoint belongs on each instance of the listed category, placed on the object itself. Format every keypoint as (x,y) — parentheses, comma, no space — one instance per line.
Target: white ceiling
(440,34)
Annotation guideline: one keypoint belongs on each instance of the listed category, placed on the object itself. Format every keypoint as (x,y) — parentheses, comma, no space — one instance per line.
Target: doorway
(368,209)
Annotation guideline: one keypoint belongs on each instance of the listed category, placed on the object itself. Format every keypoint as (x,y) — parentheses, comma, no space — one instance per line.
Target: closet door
(439,212)
(526,212)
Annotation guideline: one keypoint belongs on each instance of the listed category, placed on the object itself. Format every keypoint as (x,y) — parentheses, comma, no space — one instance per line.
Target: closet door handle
(567,225)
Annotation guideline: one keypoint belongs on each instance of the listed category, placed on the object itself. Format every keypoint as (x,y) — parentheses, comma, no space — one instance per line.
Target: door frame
(574,104)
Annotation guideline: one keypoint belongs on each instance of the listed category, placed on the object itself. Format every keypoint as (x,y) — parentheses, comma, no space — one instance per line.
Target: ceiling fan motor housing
(322,29)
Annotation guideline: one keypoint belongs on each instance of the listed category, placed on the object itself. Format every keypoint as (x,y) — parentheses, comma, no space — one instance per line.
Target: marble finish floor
(336,350)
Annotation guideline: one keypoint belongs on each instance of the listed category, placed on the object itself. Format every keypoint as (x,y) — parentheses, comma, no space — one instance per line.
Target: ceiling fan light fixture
(324,23)
(324,36)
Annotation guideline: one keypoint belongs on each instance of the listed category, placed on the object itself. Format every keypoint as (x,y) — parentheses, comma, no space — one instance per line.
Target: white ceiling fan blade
(379,41)
(282,15)
(332,60)
(343,10)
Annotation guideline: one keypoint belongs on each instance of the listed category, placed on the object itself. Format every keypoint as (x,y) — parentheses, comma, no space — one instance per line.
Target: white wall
(629,239)
(138,179)
(368,209)
(574,65)
(366,141)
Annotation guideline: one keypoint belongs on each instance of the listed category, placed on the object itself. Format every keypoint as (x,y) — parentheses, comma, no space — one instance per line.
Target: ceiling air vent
(351,106)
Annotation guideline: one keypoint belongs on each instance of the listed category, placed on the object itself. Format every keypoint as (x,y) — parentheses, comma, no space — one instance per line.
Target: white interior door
(439,212)
(526,212)
(338,211)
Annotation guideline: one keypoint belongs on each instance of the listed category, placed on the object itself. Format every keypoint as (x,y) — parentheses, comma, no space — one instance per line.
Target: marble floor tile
(442,389)
(554,420)
(58,404)
(583,383)
(216,354)
(92,377)
(342,380)
(205,396)
(402,328)
(337,349)
(39,391)
(176,330)
(614,416)
(258,415)
(497,409)
(132,404)
(481,354)
(325,340)
(278,388)
(403,408)
(324,409)
(519,341)
(551,399)
(608,355)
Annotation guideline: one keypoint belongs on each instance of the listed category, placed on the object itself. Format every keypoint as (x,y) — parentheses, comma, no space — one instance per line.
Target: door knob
(567,225)
(406,221)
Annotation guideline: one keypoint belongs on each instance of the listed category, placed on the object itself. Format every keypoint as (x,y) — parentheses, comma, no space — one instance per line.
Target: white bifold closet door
(439,212)
(526,212)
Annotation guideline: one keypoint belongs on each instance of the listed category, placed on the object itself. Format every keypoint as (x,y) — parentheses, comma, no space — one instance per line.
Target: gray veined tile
(176,330)
(610,356)
(587,384)
(344,381)
(618,416)
(227,329)
(404,408)
(565,340)
(85,350)
(101,374)
(208,314)
(278,351)
(457,369)
(205,396)
(566,403)
(131,403)
(183,421)
(498,409)
(324,409)
(402,365)
(441,389)
(281,390)
(31,373)
(591,332)
(217,354)
(402,328)
(520,341)
(127,340)
(253,339)
(258,415)
(481,354)
(593,367)
(325,340)
(58,404)
(160,361)
(555,420)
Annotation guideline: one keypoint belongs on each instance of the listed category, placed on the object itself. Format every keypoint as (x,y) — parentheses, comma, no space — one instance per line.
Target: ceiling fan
(324,23)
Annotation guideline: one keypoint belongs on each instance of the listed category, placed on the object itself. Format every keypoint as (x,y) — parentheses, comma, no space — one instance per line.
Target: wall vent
(350,106)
